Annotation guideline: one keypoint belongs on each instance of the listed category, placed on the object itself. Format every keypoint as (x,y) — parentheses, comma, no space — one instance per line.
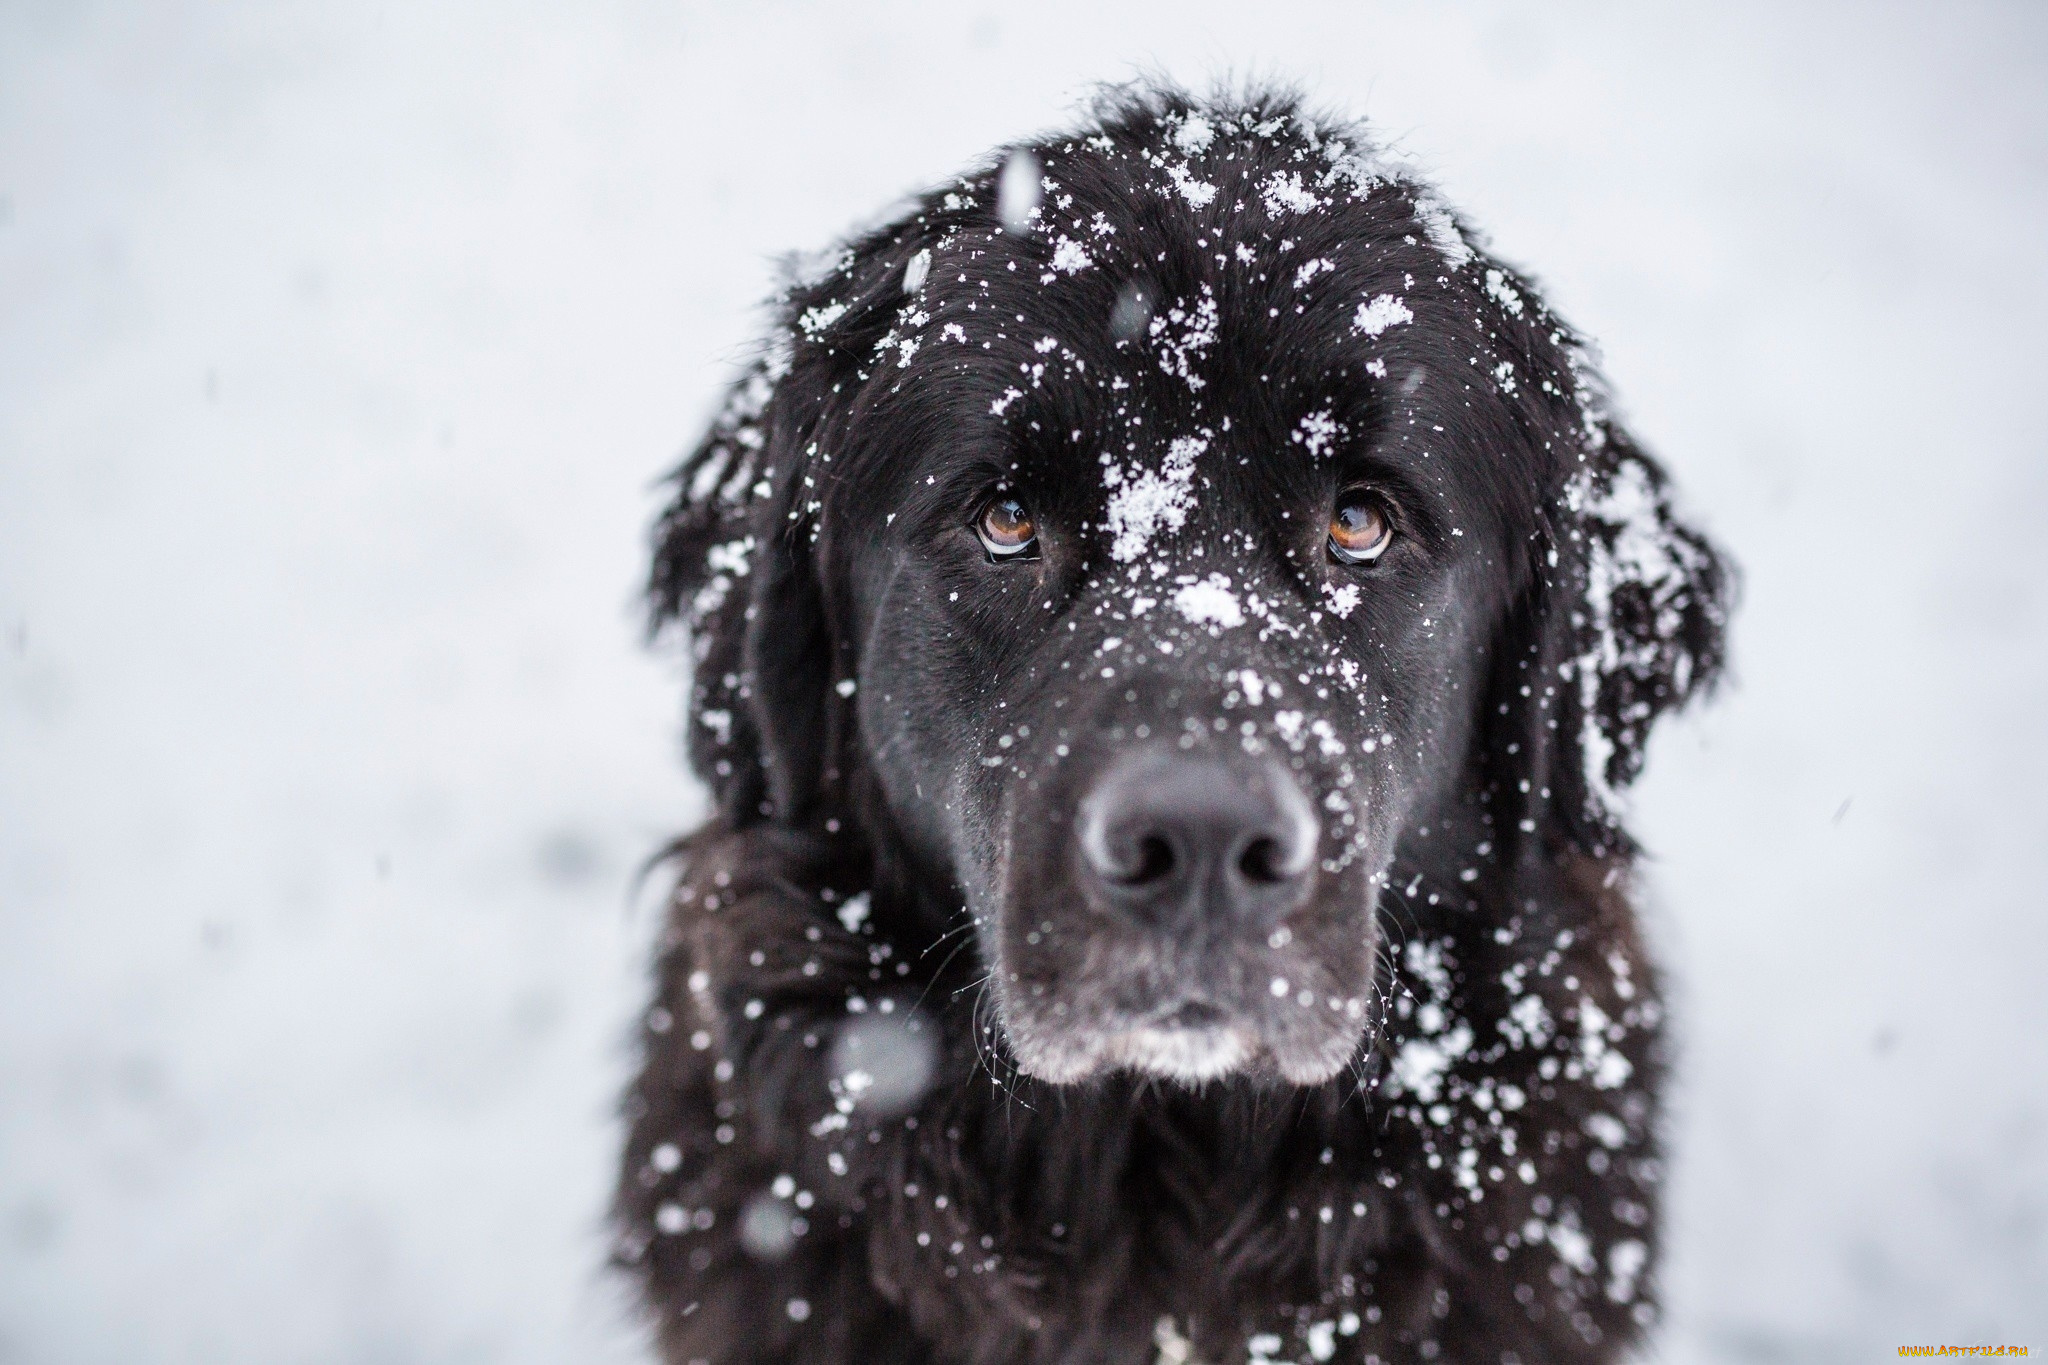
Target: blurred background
(340,345)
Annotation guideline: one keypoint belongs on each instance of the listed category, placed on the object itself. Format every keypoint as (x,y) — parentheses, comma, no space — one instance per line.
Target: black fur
(882,711)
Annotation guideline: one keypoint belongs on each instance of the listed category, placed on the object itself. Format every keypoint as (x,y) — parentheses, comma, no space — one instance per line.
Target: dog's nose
(1173,840)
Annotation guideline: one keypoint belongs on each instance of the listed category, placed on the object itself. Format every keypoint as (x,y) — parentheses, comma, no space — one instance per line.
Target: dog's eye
(1360,529)
(1006,529)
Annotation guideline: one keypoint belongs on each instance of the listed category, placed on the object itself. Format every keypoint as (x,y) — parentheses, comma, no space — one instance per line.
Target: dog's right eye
(1360,528)
(1006,529)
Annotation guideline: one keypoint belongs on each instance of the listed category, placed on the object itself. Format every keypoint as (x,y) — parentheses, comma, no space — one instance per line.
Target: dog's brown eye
(1005,528)
(1360,529)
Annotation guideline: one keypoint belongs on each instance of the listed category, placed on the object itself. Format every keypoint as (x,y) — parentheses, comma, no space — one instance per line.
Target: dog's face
(1165,715)
(1166,549)
(1169,640)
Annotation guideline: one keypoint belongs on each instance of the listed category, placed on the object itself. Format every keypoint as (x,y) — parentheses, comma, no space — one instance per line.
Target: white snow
(341,347)
(883,1062)
(1610,1131)
(1318,431)
(1284,191)
(1504,293)
(1209,602)
(1380,312)
(1184,333)
(1069,257)
(1625,1262)
(1443,231)
(1018,191)
(1631,550)
(915,273)
(1572,1246)
(1311,269)
(1144,502)
(1197,192)
(1421,1063)
(817,321)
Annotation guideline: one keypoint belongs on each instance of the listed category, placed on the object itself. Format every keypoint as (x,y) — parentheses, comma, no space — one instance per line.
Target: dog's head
(1147,538)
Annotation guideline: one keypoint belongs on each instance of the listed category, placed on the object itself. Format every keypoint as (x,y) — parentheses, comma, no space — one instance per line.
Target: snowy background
(339,347)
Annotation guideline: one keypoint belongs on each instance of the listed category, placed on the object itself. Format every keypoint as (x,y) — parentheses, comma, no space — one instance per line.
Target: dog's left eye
(1006,528)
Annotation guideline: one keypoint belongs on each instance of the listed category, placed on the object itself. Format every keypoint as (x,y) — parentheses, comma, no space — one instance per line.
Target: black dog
(1171,617)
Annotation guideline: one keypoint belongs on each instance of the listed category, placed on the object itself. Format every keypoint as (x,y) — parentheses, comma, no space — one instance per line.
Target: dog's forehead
(1190,329)
(1176,301)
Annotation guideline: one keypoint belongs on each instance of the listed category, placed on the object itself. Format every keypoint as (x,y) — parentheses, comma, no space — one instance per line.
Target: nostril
(1263,861)
(1155,861)
(1164,837)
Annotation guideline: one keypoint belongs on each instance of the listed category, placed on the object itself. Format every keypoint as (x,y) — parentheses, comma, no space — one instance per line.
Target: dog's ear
(707,548)
(736,550)
(1625,619)
(1621,608)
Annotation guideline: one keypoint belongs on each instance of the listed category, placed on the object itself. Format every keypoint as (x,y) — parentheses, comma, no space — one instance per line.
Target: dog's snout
(1171,840)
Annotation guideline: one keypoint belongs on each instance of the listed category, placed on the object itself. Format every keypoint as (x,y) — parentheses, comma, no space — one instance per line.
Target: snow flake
(1625,1262)
(730,557)
(1629,549)
(1209,602)
(817,321)
(1194,135)
(1606,1067)
(1441,228)
(1069,256)
(1319,266)
(1572,1245)
(1018,190)
(1528,1023)
(1318,431)
(1503,293)
(1283,191)
(1379,313)
(1421,1063)
(1197,192)
(1144,501)
(915,273)
(1608,1130)
(1185,334)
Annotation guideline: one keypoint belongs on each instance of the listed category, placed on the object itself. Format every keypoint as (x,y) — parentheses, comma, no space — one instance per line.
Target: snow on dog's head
(1168,526)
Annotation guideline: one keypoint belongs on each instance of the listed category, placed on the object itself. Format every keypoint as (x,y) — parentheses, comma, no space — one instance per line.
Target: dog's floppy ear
(707,547)
(1622,608)
(1626,620)
(736,557)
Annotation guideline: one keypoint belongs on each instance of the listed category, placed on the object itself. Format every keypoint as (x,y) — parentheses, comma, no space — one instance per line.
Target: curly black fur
(1479,1181)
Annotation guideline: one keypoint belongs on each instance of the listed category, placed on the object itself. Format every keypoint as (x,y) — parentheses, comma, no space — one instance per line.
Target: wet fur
(1009,1220)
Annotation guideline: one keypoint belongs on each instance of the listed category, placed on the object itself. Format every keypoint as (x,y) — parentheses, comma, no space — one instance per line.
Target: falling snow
(539,992)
